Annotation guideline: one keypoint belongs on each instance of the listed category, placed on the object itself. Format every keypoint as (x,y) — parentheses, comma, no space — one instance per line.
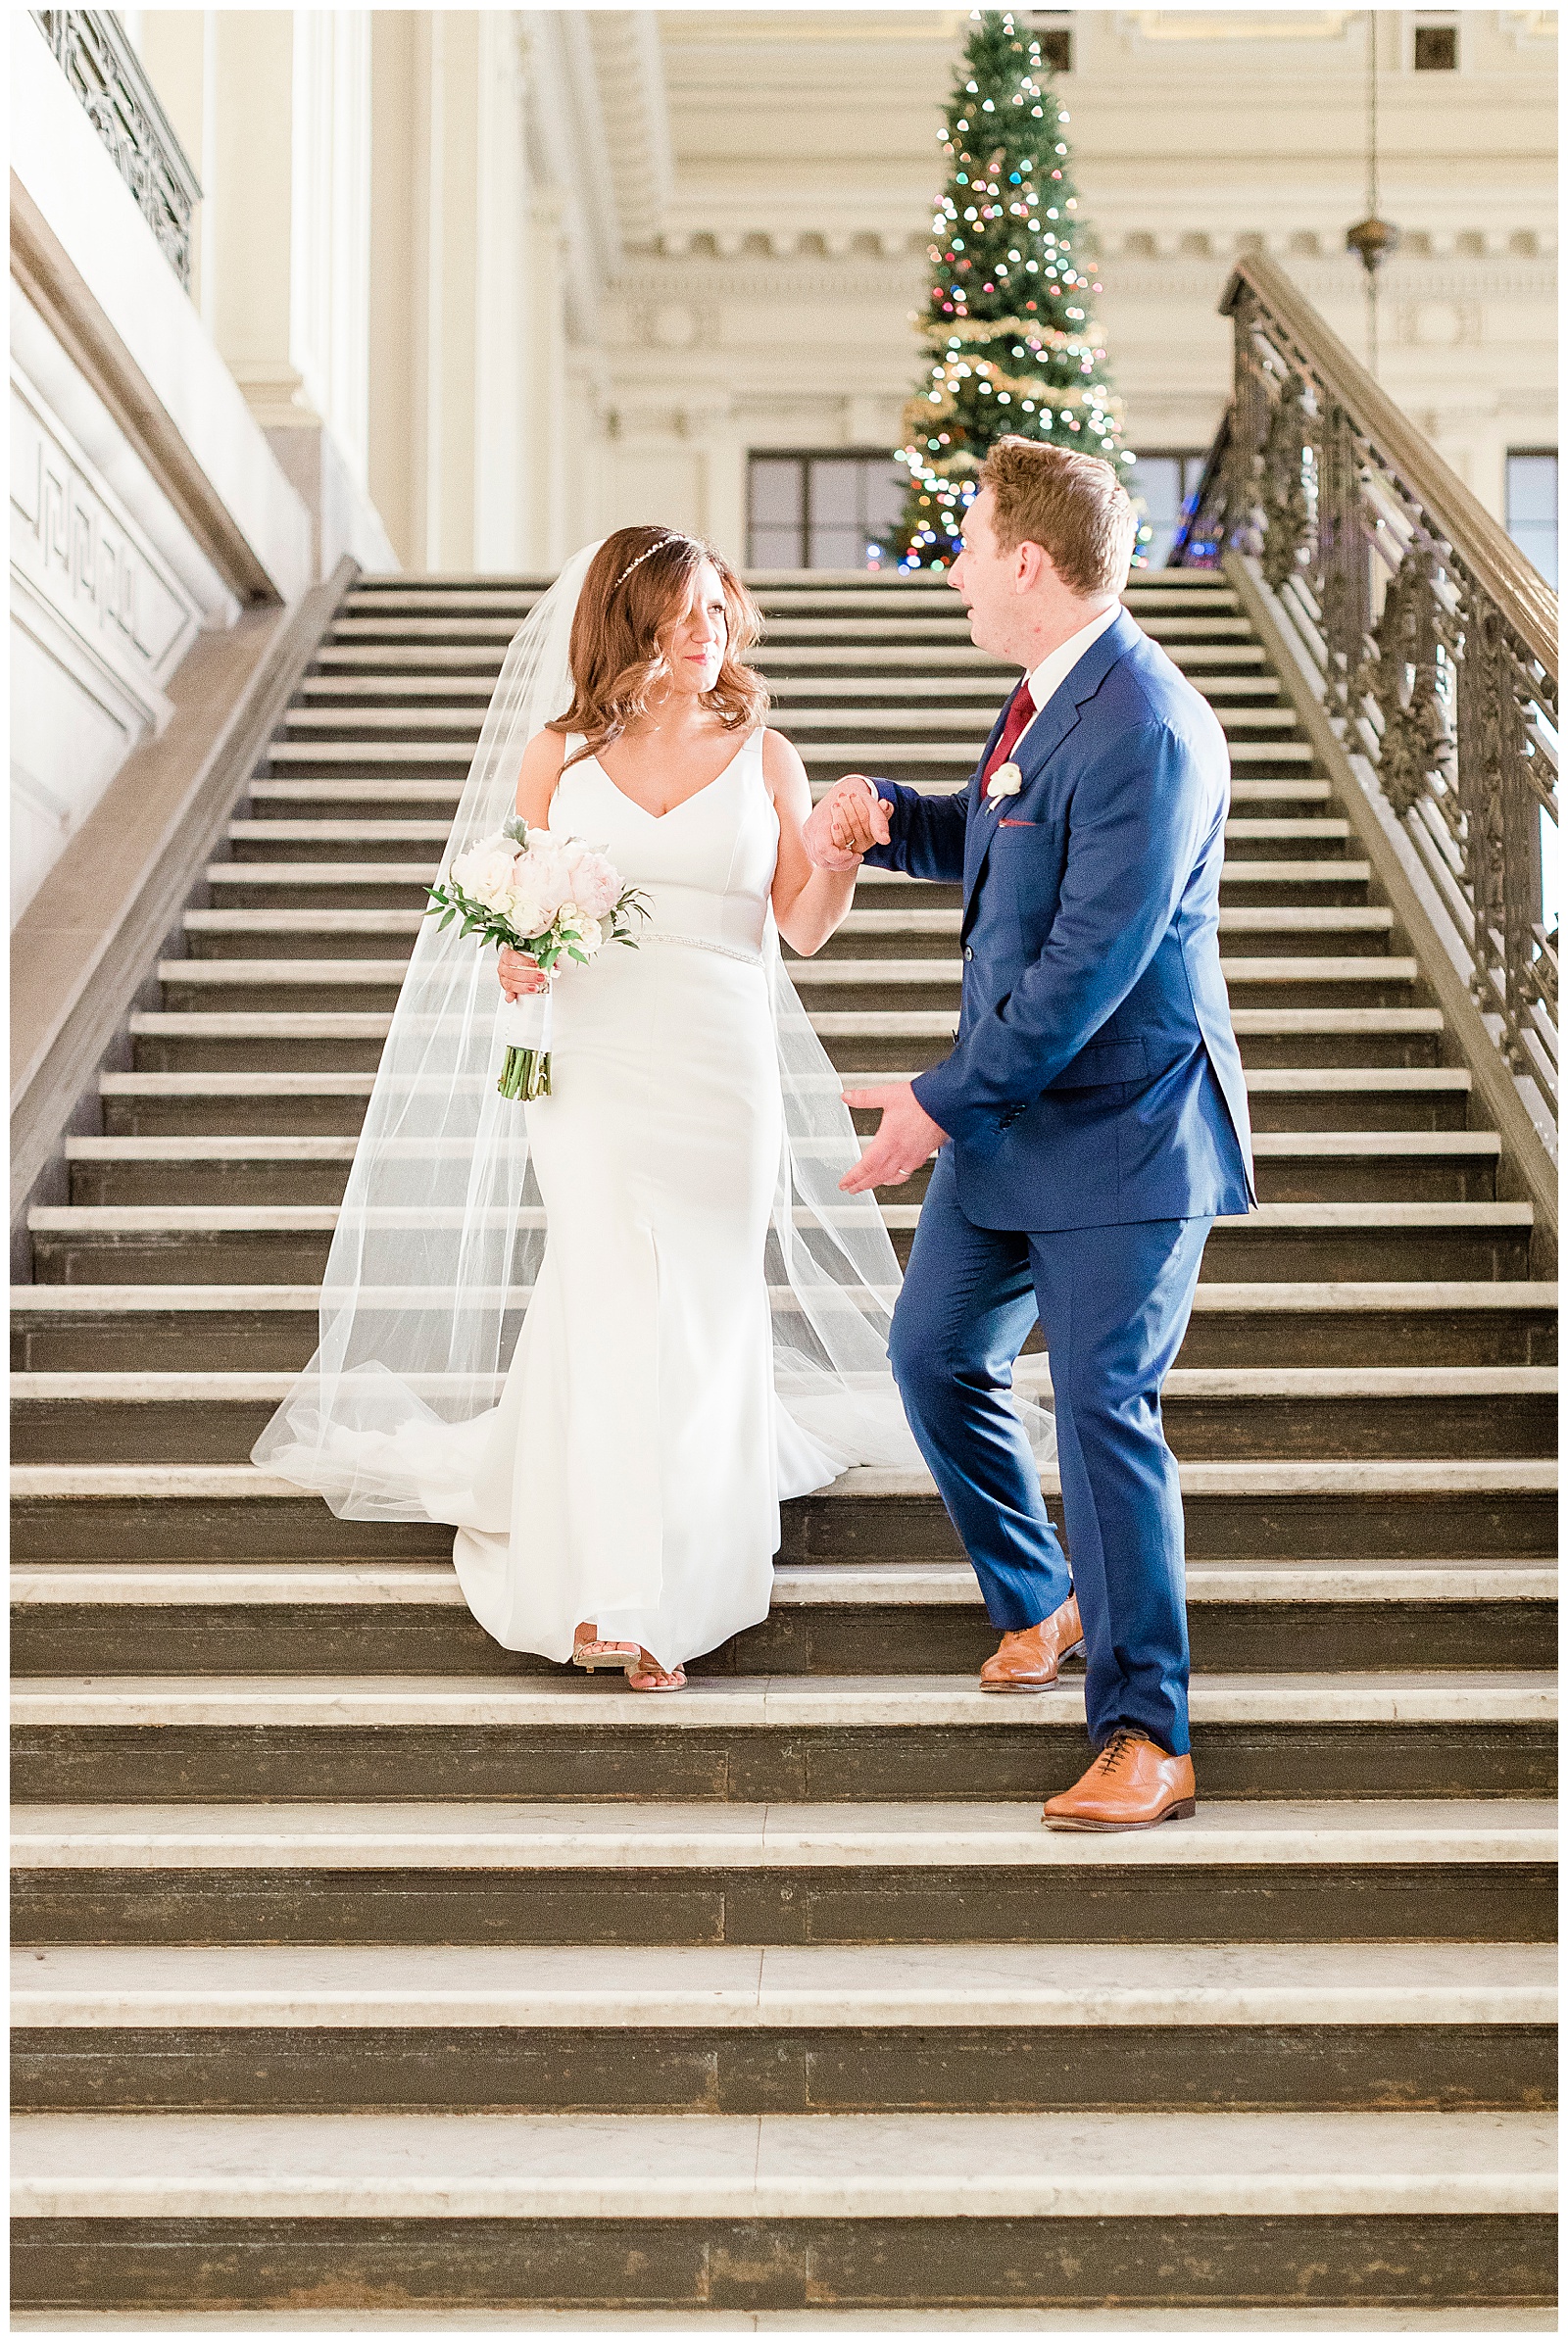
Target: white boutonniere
(1005,781)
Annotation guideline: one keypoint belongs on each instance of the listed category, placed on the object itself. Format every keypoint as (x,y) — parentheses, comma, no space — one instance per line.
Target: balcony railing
(1430,640)
(105,71)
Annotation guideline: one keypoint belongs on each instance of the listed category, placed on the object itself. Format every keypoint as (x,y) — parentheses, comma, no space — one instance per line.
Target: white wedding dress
(632,1472)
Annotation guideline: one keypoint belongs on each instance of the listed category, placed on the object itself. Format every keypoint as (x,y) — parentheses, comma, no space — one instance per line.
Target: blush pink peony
(595,886)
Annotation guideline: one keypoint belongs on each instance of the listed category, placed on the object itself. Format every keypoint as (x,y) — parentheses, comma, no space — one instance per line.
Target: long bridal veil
(441,1229)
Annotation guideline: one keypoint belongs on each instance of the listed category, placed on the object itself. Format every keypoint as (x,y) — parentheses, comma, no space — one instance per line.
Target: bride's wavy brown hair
(635,593)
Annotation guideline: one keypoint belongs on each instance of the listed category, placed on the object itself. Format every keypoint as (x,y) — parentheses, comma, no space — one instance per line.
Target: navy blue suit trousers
(1114,1305)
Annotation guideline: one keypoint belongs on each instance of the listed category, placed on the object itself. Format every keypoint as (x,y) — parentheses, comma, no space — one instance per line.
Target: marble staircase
(361,1964)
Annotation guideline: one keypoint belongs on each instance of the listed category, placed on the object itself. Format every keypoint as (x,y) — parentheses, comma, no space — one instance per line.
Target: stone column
(275,105)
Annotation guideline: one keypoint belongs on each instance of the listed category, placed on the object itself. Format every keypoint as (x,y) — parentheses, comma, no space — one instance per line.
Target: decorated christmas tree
(1010,333)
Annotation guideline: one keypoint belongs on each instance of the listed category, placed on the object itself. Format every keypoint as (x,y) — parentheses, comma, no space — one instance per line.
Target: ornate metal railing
(1431,641)
(105,71)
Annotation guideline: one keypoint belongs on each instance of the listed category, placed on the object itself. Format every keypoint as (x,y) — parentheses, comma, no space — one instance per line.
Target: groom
(1092,1118)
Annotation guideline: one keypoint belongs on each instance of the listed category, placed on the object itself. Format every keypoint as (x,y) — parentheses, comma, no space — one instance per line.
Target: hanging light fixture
(1372,239)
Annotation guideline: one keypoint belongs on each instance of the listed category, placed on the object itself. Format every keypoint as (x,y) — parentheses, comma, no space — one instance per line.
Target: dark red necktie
(1020,712)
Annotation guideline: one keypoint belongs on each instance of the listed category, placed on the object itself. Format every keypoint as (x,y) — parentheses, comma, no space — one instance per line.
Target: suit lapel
(1055,720)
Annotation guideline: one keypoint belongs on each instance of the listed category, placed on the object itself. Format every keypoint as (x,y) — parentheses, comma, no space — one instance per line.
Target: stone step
(467,656)
(853,588)
(828,1619)
(828,630)
(438,798)
(372,836)
(261,992)
(845,2029)
(892,1588)
(288,1242)
(945,683)
(1476,1508)
(222,1167)
(1395,1169)
(779,1990)
(1186,627)
(1428,1732)
(1269,888)
(872,938)
(812,708)
(1291,1097)
(772,590)
(1301,1411)
(157,1326)
(870,953)
(876,748)
(869,2211)
(1288,1869)
(1315,929)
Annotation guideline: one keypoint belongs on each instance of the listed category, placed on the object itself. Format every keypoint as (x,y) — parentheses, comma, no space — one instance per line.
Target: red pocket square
(1018,825)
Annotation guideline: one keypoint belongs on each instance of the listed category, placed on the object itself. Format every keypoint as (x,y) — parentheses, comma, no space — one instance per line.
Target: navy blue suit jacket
(1094,1077)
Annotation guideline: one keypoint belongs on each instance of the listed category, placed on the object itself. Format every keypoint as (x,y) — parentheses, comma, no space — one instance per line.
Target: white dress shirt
(1053,669)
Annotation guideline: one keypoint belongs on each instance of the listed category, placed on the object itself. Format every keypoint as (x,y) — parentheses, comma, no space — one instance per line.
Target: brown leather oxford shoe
(1030,1660)
(1131,1785)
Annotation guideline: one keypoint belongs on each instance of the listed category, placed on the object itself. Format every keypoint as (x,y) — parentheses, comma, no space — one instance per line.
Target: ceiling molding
(569,142)
(634,105)
(700,257)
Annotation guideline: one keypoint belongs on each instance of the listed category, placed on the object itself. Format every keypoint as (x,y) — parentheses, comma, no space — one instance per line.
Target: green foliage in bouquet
(560,939)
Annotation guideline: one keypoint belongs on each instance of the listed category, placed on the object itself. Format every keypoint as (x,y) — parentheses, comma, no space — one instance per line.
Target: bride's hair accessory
(619,641)
(647,554)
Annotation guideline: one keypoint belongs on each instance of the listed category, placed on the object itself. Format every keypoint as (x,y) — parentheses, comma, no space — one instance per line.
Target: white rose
(587,933)
(529,913)
(487,874)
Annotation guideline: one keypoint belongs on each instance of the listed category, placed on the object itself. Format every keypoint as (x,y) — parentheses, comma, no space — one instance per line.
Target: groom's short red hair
(1073,506)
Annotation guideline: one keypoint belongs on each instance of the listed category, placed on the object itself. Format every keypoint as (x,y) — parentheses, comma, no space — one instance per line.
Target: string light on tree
(1008,325)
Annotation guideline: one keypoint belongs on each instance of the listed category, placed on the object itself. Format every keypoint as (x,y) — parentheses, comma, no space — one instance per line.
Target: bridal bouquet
(552,896)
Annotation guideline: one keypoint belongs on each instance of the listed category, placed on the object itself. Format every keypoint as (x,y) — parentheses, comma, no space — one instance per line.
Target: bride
(602,1335)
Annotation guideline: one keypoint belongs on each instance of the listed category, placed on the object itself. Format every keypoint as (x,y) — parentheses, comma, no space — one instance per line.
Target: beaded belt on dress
(702,943)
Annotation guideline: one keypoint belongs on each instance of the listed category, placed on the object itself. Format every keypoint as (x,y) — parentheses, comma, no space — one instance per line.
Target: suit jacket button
(969,950)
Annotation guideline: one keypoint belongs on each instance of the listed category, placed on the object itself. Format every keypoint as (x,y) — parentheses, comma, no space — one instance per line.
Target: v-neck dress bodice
(708,863)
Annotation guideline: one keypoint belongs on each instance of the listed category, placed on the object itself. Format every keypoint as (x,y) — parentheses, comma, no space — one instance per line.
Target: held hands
(846,824)
(905,1138)
(519,973)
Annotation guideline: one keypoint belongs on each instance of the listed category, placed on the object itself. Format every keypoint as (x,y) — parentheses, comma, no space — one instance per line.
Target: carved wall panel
(98,625)
(79,554)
